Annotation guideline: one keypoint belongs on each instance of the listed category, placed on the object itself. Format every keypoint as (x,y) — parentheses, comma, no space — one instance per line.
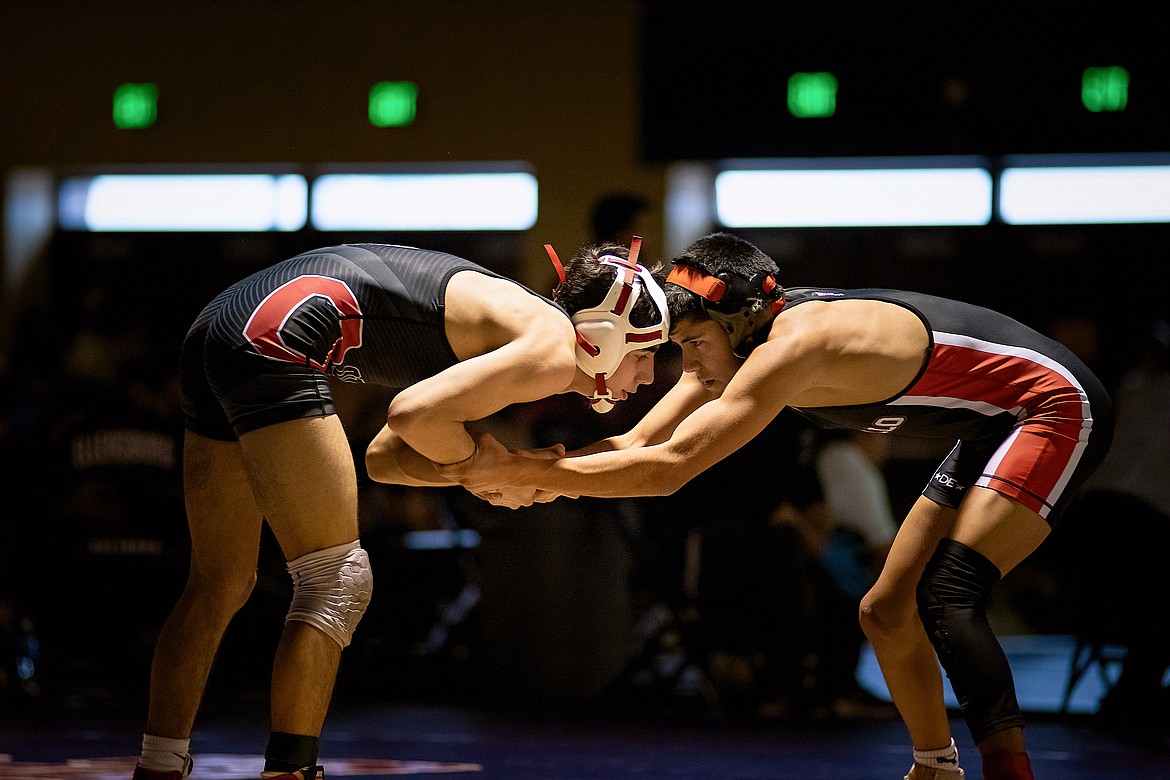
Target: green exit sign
(135,106)
(1105,89)
(812,95)
(392,103)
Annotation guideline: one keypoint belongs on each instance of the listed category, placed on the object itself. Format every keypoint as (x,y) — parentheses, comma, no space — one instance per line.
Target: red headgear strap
(556,261)
(698,282)
(712,288)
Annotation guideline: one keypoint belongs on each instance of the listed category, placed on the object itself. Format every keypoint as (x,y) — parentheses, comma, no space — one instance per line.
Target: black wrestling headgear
(743,306)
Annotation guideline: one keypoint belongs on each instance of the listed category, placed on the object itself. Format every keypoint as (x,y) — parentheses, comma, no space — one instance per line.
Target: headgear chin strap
(605,334)
(742,306)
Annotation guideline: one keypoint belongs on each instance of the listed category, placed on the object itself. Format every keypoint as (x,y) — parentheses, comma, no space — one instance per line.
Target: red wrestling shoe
(304,773)
(920,772)
(142,773)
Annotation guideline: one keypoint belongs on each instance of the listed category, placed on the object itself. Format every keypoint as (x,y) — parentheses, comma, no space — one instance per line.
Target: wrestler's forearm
(391,460)
(641,471)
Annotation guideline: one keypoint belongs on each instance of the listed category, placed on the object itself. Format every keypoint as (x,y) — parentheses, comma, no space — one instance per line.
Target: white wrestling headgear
(605,334)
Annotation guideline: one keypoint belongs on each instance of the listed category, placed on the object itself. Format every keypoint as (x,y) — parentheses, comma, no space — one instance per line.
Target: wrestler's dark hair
(715,254)
(587,282)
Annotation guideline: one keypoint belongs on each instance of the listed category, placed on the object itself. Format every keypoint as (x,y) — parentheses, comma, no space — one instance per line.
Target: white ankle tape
(947,756)
(164,754)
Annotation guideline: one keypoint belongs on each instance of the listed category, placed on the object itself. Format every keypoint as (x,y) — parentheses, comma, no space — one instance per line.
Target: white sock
(946,758)
(164,754)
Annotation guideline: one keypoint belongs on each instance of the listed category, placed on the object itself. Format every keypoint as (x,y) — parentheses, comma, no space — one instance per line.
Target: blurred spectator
(22,407)
(1116,534)
(19,654)
(850,471)
(849,466)
(619,216)
(723,589)
(847,540)
(115,515)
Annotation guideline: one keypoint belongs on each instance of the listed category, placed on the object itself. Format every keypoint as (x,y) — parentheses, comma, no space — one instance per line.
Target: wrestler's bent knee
(952,602)
(331,589)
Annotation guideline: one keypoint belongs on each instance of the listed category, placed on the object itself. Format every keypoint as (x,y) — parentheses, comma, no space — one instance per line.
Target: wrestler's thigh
(303,477)
(223,519)
(1000,528)
(919,534)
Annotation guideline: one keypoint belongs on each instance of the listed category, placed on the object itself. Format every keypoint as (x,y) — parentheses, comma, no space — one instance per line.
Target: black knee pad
(952,602)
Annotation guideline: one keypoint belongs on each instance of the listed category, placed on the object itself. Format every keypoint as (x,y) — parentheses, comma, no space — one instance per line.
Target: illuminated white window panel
(448,201)
(853,198)
(1087,195)
(185,202)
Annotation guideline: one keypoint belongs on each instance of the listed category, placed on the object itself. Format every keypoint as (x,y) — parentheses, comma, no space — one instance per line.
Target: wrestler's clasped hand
(514,498)
(493,471)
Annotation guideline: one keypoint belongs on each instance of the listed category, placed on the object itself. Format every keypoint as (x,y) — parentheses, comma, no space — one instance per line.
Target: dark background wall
(914,78)
(602,96)
(287,82)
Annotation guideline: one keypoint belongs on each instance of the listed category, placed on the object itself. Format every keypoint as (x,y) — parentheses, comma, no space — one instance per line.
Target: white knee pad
(331,589)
